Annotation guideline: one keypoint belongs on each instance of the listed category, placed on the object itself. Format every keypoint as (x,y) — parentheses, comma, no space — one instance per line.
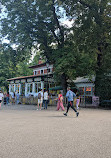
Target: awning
(56,88)
(60,88)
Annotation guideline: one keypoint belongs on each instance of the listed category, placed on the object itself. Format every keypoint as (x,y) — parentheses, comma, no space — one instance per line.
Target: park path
(27,133)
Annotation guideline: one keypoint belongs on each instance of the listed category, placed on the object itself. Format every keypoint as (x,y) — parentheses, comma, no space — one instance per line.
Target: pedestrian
(60,101)
(13,97)
(17,98)
(1,97)
(70,95)
(46,97)
(77,101)
(40,99)
(7,98)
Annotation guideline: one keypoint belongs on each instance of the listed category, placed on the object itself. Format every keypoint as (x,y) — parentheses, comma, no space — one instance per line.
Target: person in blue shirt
(70,95)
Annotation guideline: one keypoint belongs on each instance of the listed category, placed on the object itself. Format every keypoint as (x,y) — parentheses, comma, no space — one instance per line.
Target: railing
(89,101)
(84,101)
(31,100)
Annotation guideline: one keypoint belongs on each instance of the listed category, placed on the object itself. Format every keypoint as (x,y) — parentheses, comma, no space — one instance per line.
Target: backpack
(39,96)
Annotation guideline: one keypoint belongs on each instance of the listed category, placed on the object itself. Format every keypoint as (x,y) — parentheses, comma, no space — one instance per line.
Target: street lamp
(47,65)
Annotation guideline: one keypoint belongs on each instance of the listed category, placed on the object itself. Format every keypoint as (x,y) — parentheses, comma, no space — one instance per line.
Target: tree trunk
(64,83)
(98,83)
(99,80)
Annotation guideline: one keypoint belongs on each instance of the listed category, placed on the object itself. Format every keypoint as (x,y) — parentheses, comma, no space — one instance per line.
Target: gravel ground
(28,133)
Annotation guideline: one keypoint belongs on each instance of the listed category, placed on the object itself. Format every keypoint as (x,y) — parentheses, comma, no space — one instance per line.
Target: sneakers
(39,109)
(65,114)
(77,113)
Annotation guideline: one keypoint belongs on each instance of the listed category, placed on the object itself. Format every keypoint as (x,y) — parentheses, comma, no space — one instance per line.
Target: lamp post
(47,65)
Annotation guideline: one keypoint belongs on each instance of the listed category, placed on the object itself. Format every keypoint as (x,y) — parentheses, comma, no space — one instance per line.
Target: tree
(39,22)
(92,31)
(34,22)
(36,56)
(7,64)
(12,64)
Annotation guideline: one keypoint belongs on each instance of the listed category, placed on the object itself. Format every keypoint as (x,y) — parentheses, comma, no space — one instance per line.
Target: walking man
(40,99)
(46,97)
(70,95)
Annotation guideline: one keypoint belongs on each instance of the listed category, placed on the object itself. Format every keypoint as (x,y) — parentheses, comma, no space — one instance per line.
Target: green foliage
(92,34)
(72,62)
(12,64)
(77,51)
(23,69)
(35,58)
(104,86)
(34,22)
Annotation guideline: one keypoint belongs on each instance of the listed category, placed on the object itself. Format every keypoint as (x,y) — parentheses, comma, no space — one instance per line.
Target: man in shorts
(1,97)
(40,99)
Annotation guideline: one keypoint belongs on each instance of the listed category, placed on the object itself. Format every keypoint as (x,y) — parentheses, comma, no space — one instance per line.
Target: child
(77,101)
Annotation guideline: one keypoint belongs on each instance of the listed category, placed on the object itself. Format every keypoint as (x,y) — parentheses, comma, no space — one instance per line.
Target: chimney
(40,61)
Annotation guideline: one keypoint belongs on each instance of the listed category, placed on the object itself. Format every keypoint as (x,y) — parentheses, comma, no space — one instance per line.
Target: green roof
(59,88)
(56,88)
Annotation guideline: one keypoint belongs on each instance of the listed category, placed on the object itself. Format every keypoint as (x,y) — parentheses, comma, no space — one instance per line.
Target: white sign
(12,81)
(29,80)
(23,81)
(17,81)
(37,79)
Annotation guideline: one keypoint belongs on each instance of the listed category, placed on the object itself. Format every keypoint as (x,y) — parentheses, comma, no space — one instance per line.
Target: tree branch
(52,30)
(85,4)
(57,22)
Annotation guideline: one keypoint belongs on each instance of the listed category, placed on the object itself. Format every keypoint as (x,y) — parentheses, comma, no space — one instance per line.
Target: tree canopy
(12,64)
(75,51)
(92,28)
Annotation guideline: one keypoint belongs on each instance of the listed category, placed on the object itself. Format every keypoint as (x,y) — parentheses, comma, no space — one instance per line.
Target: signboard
(37,79)
(29,80)
(23,81)
(49,79)
(95,100)
(17,81)
(12,81)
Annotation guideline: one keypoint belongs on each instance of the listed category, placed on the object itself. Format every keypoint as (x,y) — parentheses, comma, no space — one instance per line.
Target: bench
(106,103)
